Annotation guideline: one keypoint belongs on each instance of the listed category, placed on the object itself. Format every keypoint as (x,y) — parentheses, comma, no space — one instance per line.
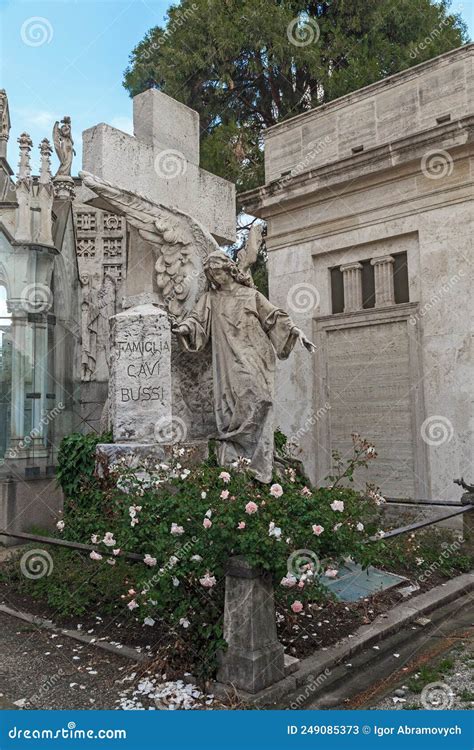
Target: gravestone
(140,382)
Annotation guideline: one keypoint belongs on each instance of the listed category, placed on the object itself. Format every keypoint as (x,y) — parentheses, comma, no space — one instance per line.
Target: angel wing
(248,255)
(57,141)
(181,243)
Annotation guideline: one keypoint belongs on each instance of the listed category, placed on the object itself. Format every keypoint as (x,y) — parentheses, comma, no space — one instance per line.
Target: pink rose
(306,492)
(241,525)
(331,573)
(225,476)
(288,581)
(317,529)
(149,560)
(297,607)
(224,494)
(276,490)
(207,581)
(132,605)
(251,507)
(95,556)
(207,523)
(176,530)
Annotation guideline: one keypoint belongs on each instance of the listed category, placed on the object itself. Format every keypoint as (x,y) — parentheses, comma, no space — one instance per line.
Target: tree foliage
(245,65)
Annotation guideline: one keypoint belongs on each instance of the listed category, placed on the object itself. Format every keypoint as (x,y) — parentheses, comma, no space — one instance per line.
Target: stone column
(19,326)
(254,658)
(352,280)
(383,274)
(39,406)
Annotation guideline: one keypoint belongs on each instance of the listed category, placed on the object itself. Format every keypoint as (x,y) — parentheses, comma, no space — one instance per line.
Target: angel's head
(221,271)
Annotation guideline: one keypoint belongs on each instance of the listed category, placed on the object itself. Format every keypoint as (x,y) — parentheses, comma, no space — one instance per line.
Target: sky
(67,57)
(76,70)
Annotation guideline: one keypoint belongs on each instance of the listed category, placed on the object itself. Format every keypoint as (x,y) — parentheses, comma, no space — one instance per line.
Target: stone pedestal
(254,658)
(468,525)
(138,454)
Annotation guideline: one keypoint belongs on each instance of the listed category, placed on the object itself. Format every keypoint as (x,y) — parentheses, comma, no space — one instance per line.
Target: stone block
(254,658)
(166,124)
(138,454)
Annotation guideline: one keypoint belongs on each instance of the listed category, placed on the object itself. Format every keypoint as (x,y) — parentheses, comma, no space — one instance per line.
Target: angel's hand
(181,329)
(305,342)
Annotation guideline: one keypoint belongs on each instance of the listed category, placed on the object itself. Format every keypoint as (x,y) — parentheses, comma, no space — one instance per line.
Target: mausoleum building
(370,205)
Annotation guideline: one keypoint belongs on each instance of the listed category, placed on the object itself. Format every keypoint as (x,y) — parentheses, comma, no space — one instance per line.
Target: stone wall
(399,373)
(101,246)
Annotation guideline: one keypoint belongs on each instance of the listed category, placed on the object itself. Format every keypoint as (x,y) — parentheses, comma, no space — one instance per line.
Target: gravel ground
(44,670)
(447,682)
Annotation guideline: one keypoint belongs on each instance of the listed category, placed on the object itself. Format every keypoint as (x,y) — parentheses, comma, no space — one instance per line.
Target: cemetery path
(382,678)
(43,670)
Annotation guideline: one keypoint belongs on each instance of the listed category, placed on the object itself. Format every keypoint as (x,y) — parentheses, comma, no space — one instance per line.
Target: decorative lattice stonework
(86,222)
(86,247)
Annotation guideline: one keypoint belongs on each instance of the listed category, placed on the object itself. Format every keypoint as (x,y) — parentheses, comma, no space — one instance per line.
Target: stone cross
(161,162)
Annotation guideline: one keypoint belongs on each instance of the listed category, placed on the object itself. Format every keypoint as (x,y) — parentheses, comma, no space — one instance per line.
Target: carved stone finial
(45,195)
(24,167)
(23,190)
(4,123)
(45,168)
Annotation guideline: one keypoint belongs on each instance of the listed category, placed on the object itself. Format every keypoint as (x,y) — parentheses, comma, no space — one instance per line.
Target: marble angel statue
(64,146)
(246,331)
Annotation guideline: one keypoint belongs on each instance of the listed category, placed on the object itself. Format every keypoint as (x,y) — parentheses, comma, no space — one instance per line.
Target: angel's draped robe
(246,331)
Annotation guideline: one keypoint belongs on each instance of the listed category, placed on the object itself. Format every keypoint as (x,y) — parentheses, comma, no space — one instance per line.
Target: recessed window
(400,283)
(400,278)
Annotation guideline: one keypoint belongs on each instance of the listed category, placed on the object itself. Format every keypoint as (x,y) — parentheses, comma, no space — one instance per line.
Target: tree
(245,65)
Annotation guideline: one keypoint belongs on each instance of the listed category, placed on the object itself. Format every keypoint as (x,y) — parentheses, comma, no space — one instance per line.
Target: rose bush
(187,520)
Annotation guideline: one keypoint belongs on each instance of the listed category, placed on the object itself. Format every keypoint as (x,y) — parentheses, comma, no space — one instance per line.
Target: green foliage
(234,62)
(161,511)
(428,674)
(425,553)
(74,584)
(83,493)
